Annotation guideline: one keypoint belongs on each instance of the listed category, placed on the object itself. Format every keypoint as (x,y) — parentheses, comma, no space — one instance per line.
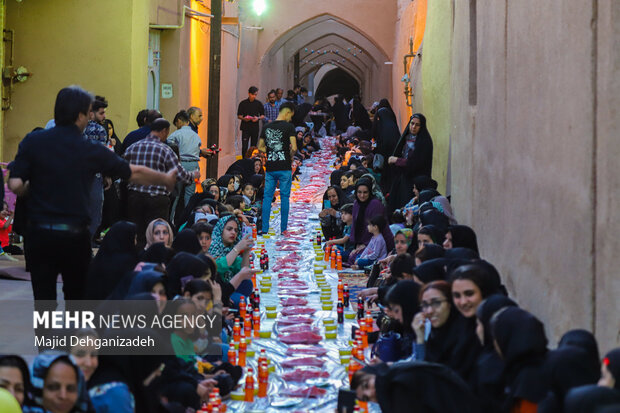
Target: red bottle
(345,295)
(340,310)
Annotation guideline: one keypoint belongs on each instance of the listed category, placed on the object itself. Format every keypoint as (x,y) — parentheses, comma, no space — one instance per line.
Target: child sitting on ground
(203,230)
(206,295)
(376,249)
(343,244)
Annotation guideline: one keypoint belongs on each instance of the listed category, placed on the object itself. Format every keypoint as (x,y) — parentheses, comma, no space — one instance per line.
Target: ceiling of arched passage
(336,50)
(347,47)
(337,81)
(320,26)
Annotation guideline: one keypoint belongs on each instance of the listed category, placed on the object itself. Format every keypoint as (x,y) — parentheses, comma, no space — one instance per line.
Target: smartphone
(327,204)
(346,401)
(247,230)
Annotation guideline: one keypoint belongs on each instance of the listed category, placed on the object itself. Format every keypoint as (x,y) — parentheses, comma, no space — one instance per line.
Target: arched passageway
(337,81)
(327,40)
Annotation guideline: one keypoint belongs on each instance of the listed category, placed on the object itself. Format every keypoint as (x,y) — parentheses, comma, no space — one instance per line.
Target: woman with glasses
(442,334)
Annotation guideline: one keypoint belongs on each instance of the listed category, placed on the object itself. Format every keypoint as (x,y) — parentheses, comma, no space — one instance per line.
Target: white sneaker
(6,257)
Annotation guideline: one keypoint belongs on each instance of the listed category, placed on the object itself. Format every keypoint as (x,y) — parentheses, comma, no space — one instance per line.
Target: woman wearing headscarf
(471,283)
(58,385)
(520,341)
(359,115)
(111,202)
(439,202)
(582,339)
(565,369)
(489,383)
(159,230)
(232,256)
(15,377)
(461,254)
(186,241)
(226,182)
(341,114)
(429,271)
(147,281)
(402,301)
(157,253)
(243,167)
(429,252)
(435,218)
(184,267)
(365,207)
(116,257)
(450,340)
(413,156)
(592,399)
(331,224)
(385,129)
(375,188)
(461,236)
(413,387)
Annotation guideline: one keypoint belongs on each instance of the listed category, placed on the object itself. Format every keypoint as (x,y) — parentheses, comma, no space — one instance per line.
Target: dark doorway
(337,81)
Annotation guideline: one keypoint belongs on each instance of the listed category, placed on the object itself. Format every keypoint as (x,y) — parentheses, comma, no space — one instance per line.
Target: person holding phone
(331,222)
(232,256)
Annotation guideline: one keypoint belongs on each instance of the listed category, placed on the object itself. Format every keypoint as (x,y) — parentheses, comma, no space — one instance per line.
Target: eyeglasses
(434,304)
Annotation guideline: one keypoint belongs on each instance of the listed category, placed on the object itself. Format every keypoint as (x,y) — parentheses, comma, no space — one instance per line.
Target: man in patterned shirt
(146,203)
(97,133)
(271,107)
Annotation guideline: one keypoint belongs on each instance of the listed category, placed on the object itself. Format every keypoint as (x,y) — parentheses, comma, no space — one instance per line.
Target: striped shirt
(154,154)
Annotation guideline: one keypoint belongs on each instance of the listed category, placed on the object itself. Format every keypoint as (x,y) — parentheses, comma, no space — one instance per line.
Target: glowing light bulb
(259,6)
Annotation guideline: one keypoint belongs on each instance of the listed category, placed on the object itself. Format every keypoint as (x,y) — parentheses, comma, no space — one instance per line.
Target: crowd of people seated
(449,337)
(454,339)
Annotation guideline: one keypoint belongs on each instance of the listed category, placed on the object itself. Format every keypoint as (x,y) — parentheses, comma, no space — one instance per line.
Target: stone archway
(328,40)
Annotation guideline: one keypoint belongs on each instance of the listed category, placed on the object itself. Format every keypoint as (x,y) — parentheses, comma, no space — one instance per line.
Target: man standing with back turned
(279,142)
(56,168)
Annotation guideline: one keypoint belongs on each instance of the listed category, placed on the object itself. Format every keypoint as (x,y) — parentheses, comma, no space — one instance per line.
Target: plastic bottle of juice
(249,386)
(243,348)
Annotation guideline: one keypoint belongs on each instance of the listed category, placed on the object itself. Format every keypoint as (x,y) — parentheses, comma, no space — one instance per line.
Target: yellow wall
(82,42)
(436,53)
(411,25)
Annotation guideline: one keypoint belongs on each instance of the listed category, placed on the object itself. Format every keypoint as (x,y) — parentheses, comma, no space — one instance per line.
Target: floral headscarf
(40,367)
(217,248)
(408,233)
